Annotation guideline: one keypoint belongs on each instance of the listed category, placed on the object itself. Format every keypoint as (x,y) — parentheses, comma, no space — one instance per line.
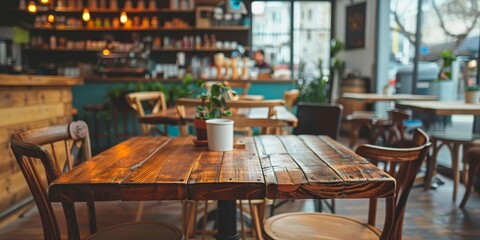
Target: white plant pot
(220,134)
(442,89)
(472,97)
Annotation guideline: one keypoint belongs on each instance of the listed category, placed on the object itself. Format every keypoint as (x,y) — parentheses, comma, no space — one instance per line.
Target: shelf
(218,28)
(112,29)
(224,28)
(99,10)
(153,50)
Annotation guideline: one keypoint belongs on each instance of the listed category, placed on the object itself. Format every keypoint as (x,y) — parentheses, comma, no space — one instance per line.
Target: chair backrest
(403,165)
(68,142)
(290,97)
(157,101)
(397,128)
(318,119)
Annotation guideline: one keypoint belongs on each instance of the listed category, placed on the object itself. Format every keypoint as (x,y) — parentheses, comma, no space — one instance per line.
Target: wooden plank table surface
(376,97)
(272,166)
(440,108)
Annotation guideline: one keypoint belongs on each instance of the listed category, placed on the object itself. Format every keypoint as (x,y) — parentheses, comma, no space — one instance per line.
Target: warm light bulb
(44,1)
(86,15)
(106,52)
(32,8)
(123,17)
(51,18)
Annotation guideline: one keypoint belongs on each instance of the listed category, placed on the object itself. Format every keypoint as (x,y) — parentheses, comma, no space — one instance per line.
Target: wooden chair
(391,130)
(404,164)
(290,97)
(55,150)
(454,142)
(474,167)
(158,103)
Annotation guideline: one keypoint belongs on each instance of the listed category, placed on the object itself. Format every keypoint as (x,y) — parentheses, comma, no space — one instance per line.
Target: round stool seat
(309,226)
(139,231)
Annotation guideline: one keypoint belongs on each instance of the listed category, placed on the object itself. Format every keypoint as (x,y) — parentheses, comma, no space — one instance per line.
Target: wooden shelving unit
(170,37)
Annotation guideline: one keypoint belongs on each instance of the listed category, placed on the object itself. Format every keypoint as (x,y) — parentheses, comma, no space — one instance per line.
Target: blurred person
(259,57)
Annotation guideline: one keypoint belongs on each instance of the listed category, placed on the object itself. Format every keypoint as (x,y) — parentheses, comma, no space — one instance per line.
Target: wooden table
(376,97)
(276,167)
(441,108)
(245,114)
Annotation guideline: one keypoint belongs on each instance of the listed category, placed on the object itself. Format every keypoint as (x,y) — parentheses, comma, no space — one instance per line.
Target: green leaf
(215,90)
(227,113)
(217,102)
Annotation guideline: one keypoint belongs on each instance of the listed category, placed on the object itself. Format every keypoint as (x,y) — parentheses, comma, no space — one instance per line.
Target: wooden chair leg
(472,171)
(456,175)
(138,215)
(431,163)
(256,220)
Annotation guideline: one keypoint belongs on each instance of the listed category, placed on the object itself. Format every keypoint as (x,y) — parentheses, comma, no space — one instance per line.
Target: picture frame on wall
(355,29)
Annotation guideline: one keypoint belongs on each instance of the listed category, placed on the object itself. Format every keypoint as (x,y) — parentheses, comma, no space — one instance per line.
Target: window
(306,44)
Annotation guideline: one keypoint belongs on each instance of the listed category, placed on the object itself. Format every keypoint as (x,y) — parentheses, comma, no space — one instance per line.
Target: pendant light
(86,15)
(32,8)
(44,2)
(123,17)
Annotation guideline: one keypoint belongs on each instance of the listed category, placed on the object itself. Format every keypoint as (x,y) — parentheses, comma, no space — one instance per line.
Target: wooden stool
(453,141)
(95,109)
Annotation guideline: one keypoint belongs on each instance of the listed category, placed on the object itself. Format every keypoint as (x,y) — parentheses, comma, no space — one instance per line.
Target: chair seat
(138,231)
(307,225)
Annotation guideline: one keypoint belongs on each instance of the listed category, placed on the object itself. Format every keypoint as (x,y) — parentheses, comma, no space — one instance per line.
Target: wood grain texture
(33,80)
(160,168)
(31,113)
(24,107)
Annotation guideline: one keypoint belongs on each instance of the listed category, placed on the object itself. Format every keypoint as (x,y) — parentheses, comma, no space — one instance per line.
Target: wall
(358,59)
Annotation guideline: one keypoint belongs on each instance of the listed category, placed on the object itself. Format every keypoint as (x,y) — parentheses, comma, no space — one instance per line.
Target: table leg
(227,220)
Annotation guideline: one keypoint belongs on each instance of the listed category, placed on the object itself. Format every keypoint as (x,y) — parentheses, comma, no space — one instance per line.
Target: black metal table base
(227,223)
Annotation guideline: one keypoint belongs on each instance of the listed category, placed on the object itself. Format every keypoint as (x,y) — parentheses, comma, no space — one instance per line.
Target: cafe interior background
(375,46)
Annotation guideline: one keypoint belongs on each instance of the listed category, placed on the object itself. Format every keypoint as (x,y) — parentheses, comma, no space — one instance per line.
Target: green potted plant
(443,86)
(213,105)
(472,94)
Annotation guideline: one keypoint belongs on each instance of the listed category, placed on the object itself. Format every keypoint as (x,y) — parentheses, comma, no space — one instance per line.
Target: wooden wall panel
(26,108)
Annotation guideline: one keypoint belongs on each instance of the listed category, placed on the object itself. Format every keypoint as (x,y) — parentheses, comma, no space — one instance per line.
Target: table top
(276,167)
(442,108)
(376,97)
(170,116)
